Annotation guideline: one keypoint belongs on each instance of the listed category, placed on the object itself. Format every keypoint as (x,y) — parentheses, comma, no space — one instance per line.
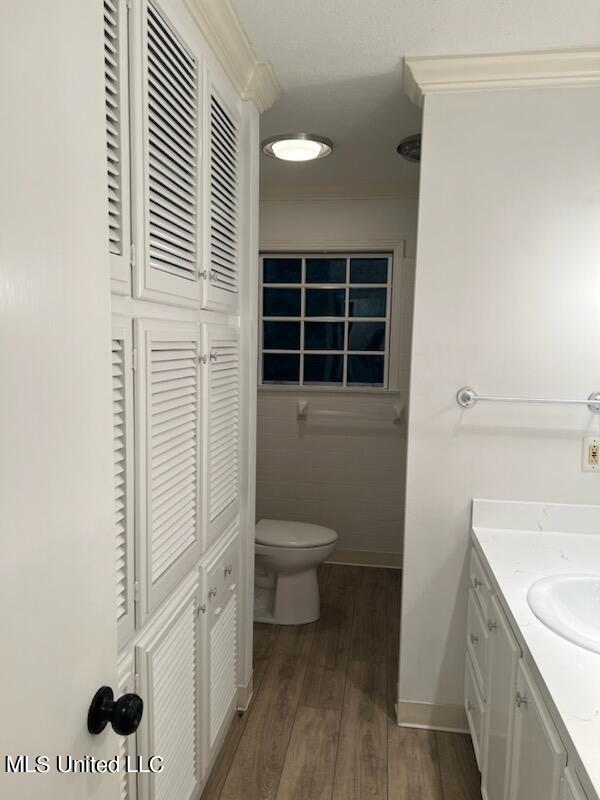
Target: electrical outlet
(591,455)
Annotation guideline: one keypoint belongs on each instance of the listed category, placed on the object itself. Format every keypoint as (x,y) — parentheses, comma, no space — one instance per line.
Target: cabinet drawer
(222,575)
(477,642)
(475,708)
(480,583)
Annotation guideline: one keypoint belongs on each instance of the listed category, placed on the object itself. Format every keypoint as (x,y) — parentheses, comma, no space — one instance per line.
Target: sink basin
(570,606)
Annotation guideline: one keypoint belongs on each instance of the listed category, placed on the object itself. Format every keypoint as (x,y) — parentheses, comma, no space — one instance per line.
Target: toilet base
(294,600)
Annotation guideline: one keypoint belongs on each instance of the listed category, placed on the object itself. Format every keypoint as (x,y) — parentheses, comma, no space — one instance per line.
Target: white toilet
(286,591)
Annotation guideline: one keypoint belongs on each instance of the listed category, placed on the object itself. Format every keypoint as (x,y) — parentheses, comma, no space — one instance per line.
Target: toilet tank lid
(284,533)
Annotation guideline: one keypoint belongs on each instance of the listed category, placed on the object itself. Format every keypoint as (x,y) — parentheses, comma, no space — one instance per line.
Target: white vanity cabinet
(504,655)
(539,757)
(517,745)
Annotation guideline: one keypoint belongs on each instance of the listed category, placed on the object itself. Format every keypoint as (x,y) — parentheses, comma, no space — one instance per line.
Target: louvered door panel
(223,668)
(222,426)
(220,595)
(122,382)
(167,662)
(224,202)
(117,140)
(170,505)
(171,169)
(127,744)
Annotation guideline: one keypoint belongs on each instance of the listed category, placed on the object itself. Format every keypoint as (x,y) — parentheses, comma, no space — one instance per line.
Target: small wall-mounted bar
(467,397)
(302,413)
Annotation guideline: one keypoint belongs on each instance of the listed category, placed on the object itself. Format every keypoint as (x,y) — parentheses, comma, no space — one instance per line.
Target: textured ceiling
(339,63)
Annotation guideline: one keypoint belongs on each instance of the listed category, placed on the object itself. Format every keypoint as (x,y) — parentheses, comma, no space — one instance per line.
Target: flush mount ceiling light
(297,146)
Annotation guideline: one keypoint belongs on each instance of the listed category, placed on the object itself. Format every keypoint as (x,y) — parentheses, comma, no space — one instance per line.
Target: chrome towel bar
(302,413)
(467,397)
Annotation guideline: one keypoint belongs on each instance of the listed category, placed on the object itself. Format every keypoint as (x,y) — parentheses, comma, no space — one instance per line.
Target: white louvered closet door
(171,83)
(222,428)
(168,442)
(223,236)
(117,140)
(167,659)
(127,744)
(221,595)
(122,382)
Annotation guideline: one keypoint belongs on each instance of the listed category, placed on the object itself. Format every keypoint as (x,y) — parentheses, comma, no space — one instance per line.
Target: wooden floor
(321,725)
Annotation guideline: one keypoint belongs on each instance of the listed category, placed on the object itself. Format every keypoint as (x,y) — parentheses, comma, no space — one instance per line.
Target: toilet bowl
(286,590)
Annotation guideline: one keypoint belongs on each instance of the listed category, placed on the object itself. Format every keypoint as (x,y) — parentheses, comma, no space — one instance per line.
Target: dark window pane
(281,302)
(324,335)
(323,369)
(366,336)
(365,369)
(367,302)
(325,302)
(282,270)
(281,368)
(281,335)
(368,270)
(326,270)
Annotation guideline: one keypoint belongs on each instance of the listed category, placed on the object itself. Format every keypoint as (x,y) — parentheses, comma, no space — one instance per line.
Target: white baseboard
(244,694)
(366,558)
(432,716)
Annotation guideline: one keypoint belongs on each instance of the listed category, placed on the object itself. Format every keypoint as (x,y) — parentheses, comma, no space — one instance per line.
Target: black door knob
(124,714)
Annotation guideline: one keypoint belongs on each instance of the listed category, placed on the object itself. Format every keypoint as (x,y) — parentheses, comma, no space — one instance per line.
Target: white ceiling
(339,63)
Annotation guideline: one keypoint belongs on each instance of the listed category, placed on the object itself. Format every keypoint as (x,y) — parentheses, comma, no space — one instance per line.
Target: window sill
(366,390)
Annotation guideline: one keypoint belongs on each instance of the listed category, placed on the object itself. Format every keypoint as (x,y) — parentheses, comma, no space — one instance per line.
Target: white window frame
(394,252)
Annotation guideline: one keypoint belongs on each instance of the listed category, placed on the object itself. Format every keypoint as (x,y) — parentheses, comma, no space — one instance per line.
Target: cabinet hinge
(202,358)
(131,246)
(134,359)
(136,591)
(203,274)
(136,682)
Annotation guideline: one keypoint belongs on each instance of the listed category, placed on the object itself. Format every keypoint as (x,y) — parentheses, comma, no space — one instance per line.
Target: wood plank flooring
(321,725)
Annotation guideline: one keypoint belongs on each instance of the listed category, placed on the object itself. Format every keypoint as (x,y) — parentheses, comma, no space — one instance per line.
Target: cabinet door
(223,235)
(116,81)
(122,381)
(127,744)
(571,788)
(221,598)
(168,442)
(504,654)
(168,81)
(538,757)
(222,428)
(167,663)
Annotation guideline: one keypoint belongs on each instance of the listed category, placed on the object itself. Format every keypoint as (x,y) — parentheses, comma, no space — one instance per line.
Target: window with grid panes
(325,320)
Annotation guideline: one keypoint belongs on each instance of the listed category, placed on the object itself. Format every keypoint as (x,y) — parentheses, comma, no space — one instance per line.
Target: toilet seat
(284,533)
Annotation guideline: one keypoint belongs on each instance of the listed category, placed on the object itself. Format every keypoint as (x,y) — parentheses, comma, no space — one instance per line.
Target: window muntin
(325,320)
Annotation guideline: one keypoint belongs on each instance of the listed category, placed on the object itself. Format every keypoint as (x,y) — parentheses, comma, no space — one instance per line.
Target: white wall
(349,477)
(507,301)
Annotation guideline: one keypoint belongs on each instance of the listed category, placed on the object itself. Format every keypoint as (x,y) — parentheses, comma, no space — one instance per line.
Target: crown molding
(435,75)
(254,80)
(408,189)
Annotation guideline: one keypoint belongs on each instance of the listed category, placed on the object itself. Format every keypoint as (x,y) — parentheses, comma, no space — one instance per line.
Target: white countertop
(568,676)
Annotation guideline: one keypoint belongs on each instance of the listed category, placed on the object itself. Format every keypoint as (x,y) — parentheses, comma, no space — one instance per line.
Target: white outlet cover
(587,443)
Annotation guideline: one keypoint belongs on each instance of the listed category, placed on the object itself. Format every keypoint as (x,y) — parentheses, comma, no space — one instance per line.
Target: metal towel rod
(467,397)
(302,413)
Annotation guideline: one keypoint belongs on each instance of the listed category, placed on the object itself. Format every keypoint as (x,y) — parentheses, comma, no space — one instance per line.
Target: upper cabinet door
(122,381)
(223,208)
(168,90)
(222,427)
(168,442)
(116,81)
